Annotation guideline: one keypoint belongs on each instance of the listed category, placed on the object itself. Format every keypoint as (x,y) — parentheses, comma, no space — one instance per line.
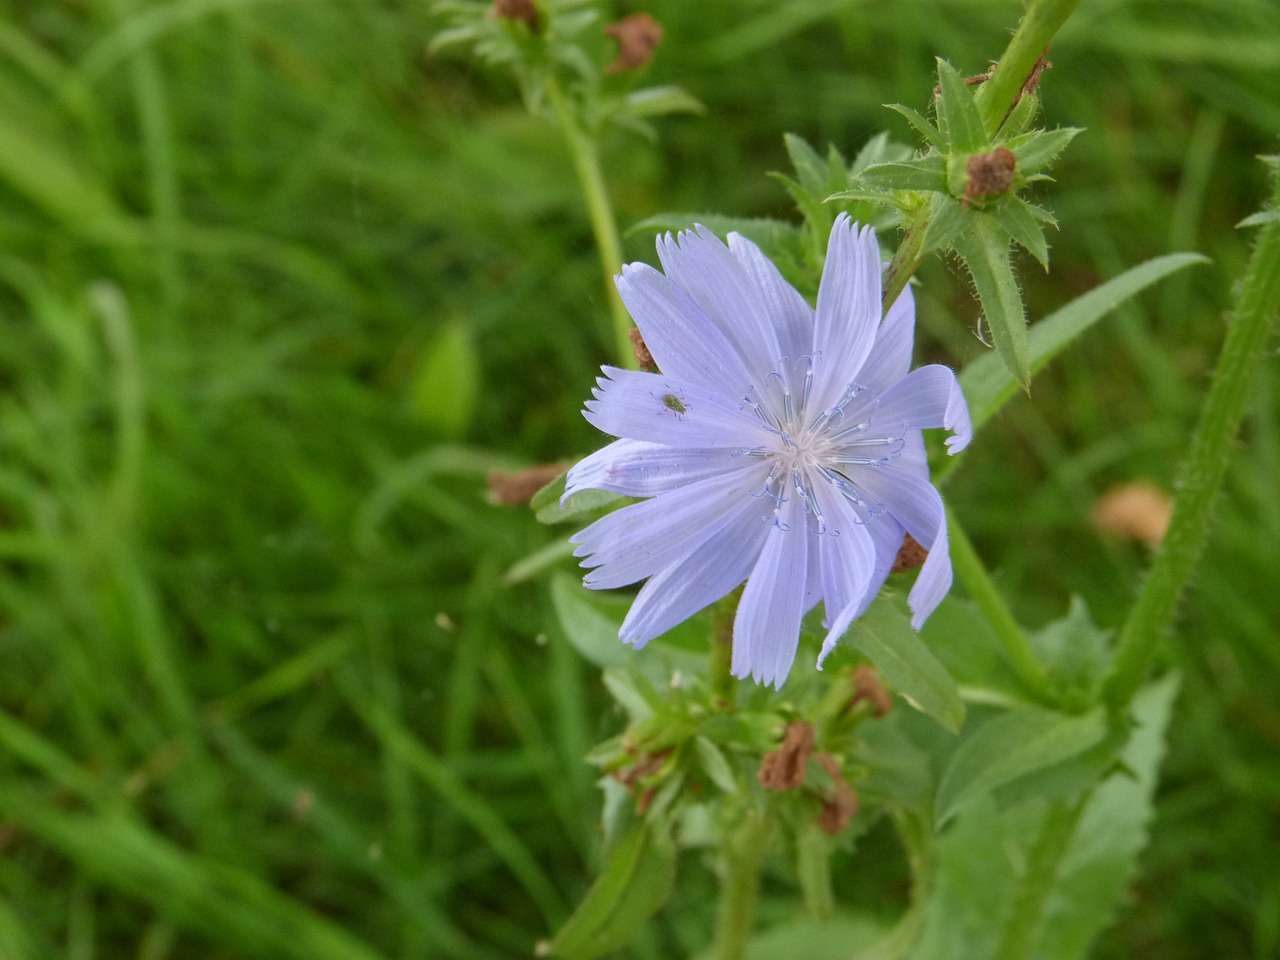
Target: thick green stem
(973,575)
(1250,324)
(999,94)
(740,886)
(586,163)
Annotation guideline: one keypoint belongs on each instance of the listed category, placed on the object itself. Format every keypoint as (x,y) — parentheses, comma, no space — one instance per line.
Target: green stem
(906,261)
(999,94)
(740,886)
(586,163)
(723,685)
(1038,881)
(973,575)
(1250,324)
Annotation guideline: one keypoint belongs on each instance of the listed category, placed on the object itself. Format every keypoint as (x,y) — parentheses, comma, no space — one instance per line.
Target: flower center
(806,448)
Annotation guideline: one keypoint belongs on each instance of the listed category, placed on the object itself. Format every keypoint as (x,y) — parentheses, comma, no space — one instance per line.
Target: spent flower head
(780,445)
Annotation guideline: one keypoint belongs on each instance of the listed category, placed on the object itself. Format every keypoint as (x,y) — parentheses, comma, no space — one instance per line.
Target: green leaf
(446,386)
(1020,117)
(984,248)
(959,121)
(884,635)
(931,134)
(1023,226)
(926,173)
(1074,652)
(988,387)
(548,509)
(947,220)
(879,149)
(592,631)
(1010,746)
(636,881)
(1102,859)
(660,101)
(1261,218)
(714,765)
(1037,149)
(809,166)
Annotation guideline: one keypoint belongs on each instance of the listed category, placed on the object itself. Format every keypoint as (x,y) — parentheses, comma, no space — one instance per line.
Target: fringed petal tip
(957,421)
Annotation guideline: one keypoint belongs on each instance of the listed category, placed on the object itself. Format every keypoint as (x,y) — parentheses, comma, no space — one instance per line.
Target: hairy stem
(740,886)
(1250,323)
(999,94)
(970,572)
(586,163)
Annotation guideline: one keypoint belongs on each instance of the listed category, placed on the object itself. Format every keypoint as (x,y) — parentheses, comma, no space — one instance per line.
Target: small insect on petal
(674,404)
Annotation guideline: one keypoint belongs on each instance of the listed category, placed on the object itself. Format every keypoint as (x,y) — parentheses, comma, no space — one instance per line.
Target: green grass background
(263,690)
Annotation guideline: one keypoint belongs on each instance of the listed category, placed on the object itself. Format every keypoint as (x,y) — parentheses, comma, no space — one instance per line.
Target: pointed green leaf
(714,765)
(947,220)
(959,121)
(1023,226)
(1037,149)
(809,166)
(659,101)
(926,129)
(884,635)
(984,247)
(636,881)
(1021,116)
(1259,219)
(988,386)
(879,149)
(1011,746)
(926,173)
(547,507)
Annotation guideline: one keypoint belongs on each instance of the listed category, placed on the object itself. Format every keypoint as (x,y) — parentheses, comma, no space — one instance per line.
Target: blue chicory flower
(780,445)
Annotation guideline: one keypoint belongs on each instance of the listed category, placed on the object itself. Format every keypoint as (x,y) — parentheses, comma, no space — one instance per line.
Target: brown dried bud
(842,805)
(522,10)
(643,357)
(783,769)
(989,174)
(910,555)
(514,489)
(867,689)
(637,35)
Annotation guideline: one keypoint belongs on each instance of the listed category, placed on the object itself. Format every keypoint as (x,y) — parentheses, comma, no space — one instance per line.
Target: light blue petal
(636,468)
(915,504)
(791,313)
(684,342)
(848,560)
(890,356)
(675,594)
(766,630)
(848,311)
(660,409)
(635,542)
(886,534)
(925,398)
(701,265)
